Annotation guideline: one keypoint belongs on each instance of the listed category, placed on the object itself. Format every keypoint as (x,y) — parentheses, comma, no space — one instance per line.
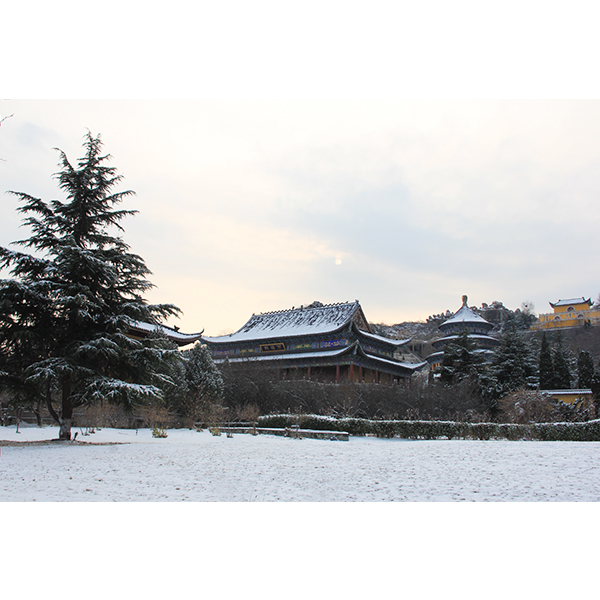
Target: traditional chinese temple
(465,320)
(329,343)
(574,312)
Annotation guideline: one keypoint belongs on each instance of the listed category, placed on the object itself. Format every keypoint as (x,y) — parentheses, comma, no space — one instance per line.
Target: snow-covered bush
(430,430)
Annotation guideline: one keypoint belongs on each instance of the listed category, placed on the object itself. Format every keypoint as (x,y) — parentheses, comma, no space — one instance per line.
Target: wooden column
(337,373)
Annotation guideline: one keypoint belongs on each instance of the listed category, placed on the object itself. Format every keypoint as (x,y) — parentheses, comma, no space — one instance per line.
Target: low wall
(292,432)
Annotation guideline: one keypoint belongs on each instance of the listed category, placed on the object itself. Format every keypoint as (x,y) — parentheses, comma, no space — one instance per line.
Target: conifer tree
(65,315)
(203,381)
(562,370)
(585,370)
(595,387)
(203,377)
(546,365)
(512,366)
(460,360)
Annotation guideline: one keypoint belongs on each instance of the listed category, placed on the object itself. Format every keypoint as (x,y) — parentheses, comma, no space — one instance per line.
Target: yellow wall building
(570,396)
(575,312)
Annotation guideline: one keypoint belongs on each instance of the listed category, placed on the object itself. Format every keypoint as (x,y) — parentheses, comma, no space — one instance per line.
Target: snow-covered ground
(196,466)
(135,547)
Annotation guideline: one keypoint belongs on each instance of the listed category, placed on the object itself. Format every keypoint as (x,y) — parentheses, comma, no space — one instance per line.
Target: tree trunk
(37,410)
(64,433)
(49,403)
(66,413)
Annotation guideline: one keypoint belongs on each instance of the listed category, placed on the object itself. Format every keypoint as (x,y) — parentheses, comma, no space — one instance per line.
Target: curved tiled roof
(581,300)
(140,329)
(465,315)
(387,340)
(293,322)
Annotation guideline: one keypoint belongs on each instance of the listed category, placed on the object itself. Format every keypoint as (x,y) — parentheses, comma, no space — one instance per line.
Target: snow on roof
(293,322)
(385,339)
(287,356)
(581,392)
(310,355)
(471,336)
(581,300)
(440,354)
(173,334)
(396,363)
(465,315)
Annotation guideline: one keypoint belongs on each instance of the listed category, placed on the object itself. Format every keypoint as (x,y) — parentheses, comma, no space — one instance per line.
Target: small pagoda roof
(142,330)
(571,301)
(440,355)
(471,336)
(465,315)
(307,320)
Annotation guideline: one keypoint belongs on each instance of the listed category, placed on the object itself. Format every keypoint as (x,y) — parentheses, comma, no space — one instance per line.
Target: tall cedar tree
(513,366)
(562,370)
(546,365)
(65,316)
(585,370)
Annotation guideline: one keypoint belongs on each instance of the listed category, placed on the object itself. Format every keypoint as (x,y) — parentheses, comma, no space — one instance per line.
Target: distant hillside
(400,331)
(421,335)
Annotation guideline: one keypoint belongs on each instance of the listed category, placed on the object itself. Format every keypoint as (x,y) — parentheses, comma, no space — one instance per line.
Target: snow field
(155,549)
(199,467)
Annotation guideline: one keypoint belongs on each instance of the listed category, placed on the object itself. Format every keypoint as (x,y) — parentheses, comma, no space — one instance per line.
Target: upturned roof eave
(379,338)
(181,339)
(569,301)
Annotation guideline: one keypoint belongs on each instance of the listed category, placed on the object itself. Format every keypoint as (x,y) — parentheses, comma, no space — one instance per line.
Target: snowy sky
(252,201)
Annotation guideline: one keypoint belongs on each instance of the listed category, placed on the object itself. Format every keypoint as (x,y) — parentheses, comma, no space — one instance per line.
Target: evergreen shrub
(431,430)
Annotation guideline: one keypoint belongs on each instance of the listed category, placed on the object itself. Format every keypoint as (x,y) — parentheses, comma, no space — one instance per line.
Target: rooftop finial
(464,299)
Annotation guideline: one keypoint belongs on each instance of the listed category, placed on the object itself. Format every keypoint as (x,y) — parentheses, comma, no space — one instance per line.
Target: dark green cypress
(562,372)
(546,365)
(585,370)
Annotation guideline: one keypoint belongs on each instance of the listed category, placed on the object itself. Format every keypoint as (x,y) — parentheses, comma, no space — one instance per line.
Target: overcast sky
(250,205)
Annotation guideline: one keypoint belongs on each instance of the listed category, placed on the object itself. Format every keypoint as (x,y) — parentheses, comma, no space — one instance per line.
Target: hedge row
(431,430)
